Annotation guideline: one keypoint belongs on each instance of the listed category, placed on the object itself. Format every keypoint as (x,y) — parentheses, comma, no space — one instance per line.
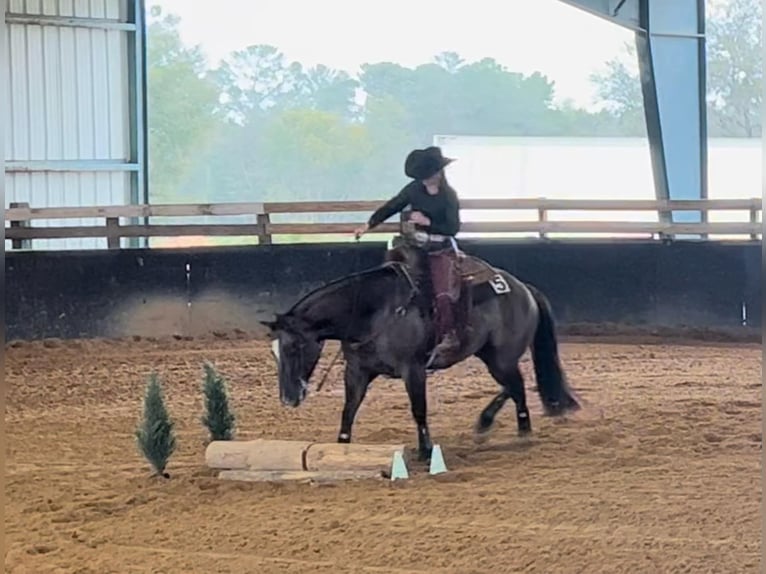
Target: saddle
(472,279)
(474,271)
(471,272)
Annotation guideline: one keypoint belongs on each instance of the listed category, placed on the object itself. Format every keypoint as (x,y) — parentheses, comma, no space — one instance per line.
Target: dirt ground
(660,472)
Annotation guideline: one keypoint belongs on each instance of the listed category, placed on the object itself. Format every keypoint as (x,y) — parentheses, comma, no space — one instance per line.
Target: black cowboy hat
(423,163)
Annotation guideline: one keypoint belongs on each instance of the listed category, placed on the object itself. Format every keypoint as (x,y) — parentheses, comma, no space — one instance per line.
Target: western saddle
(472,270)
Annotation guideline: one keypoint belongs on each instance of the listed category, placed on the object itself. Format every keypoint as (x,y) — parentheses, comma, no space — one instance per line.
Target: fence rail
(21,230)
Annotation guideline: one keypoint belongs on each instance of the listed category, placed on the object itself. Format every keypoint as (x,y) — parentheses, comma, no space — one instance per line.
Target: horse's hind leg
(510,378)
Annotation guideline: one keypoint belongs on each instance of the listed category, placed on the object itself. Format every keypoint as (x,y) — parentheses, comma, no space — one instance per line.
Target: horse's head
(297,350)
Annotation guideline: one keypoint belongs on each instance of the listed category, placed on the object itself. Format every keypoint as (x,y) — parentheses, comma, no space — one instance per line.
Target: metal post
(139,188)
(671,57)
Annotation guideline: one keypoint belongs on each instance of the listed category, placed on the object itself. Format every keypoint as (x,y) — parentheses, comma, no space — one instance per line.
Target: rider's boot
(448,348)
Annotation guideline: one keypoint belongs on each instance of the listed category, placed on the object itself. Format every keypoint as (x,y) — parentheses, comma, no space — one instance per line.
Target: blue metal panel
(670,40)
(672,63)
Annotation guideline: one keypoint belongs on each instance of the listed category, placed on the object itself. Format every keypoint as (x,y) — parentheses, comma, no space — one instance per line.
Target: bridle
(399,268)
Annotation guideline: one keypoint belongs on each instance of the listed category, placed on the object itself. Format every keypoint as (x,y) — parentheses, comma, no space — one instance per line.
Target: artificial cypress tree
(155,436)
(219,419)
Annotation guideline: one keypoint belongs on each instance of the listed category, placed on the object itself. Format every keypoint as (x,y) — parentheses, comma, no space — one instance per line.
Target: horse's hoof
(480,438)
(424,456)
(481,434)
(524,425)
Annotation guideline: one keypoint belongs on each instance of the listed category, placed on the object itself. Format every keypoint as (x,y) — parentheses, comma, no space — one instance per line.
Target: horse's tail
(556,395)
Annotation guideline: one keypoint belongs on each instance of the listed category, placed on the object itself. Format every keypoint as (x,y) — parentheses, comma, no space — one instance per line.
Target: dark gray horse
(383,319)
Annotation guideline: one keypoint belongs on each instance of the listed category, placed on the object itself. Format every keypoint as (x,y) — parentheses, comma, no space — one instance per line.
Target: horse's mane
(341,282)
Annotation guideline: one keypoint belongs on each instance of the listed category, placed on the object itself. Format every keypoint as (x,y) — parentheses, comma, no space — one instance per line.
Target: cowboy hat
(423,163)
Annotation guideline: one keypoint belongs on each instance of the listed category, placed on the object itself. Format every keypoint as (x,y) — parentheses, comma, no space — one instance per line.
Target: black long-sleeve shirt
(443,209)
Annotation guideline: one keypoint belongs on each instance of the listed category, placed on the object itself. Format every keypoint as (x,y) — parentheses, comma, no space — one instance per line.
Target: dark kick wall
(162,292)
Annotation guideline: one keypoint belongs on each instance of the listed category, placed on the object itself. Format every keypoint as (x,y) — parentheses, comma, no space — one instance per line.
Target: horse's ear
(270,325)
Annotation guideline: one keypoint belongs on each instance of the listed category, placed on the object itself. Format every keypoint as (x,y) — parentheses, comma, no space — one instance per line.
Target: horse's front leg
(356,380)
(415,380)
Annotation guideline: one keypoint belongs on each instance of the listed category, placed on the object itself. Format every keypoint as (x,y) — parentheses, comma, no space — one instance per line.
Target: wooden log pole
(288,455)
(350,456)
(260,454)
(298,475)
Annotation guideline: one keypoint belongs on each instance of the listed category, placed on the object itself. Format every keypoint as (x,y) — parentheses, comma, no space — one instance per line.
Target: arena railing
(122,221)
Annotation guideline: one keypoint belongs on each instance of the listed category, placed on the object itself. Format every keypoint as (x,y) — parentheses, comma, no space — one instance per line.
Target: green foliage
(155,436)
(259,127)
(735,66)
(181,104)
(219,419)
(734,74)
(619,89)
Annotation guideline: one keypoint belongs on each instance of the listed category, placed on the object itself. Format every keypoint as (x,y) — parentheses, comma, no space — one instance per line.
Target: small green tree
(219,419)
(155,436)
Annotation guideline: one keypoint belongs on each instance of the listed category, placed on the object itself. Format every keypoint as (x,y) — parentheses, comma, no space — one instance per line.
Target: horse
(383,318)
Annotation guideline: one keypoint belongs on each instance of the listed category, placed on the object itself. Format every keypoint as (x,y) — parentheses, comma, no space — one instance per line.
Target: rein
(353,313)
(401,310)
(400,269)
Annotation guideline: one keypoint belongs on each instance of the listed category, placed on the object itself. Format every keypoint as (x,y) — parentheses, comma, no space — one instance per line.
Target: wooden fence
(22,231)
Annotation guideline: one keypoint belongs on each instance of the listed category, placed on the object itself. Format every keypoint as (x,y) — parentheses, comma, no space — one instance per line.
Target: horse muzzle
(298,398)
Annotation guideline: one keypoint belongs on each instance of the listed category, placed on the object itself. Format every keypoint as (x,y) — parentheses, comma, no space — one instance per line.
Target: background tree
(735,67)
(260,127)
(734,79)
(619,89)
(181,103)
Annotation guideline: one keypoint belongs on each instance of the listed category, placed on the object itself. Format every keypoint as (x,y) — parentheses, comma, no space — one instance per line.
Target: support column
(670,41)
(671,56)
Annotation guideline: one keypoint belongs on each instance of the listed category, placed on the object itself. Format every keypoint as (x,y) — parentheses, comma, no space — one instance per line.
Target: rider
(435,211)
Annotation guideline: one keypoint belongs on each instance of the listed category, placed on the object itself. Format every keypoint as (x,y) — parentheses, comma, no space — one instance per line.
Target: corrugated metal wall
(70,138)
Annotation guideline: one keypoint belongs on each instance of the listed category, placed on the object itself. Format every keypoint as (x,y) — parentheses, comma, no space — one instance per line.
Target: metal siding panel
(22,188)
(53,95)
(84,75)
(119,189)
(33,7)
(119,140)
(71,188)
(88,196)
(66,8)
(19,100)
(67,98)
(115,9)
(36,92)
(8,108)
(100,74)
(38,189)
(101,103)
(10,191)
(68,93)
(103,192)
(51,7)
(82,8)
(56,191)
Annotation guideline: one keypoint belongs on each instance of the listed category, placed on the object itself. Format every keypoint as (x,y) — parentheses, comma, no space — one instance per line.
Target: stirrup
(431,360)
(432,356)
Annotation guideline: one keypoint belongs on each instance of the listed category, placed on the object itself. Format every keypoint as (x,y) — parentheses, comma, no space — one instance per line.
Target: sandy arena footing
(660,473)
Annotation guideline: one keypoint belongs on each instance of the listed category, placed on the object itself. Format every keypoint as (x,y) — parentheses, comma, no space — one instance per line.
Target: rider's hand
(361,231)
(419,218)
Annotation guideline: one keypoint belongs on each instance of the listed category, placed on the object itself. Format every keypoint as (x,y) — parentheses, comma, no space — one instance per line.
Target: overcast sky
(563,42)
